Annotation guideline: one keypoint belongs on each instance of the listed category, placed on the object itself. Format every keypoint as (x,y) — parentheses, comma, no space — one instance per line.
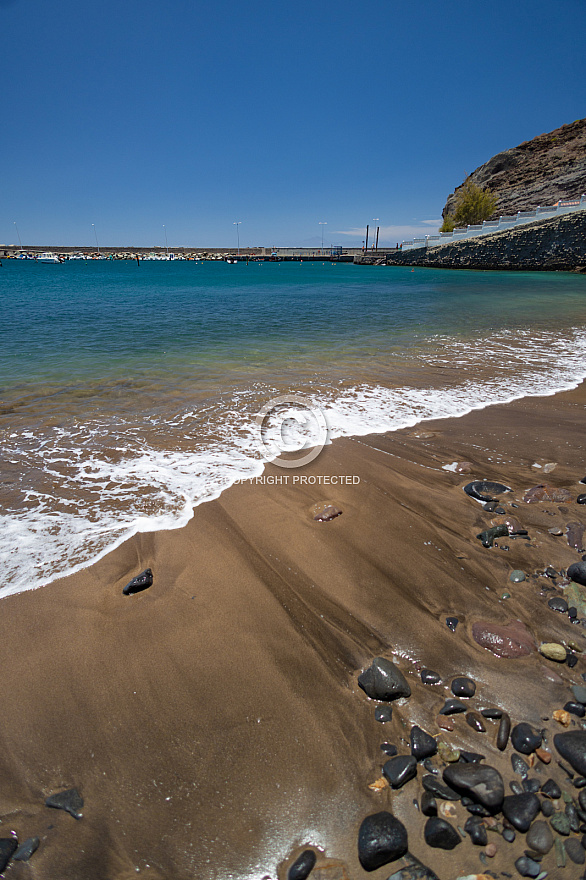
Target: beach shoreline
(214,724)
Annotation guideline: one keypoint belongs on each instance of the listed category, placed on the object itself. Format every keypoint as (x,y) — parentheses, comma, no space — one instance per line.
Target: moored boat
(48,257)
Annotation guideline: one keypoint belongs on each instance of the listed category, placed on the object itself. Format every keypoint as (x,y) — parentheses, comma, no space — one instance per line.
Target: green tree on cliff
(473,205)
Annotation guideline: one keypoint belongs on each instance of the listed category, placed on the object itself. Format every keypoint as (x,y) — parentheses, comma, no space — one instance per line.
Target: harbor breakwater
(557,243)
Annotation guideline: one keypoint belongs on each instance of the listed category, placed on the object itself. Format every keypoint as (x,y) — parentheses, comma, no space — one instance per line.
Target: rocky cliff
(538,172)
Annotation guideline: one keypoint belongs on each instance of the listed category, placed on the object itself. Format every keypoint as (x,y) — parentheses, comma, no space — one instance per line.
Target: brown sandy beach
(214,724)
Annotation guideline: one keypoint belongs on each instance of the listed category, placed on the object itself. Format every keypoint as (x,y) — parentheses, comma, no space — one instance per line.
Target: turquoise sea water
(128,393)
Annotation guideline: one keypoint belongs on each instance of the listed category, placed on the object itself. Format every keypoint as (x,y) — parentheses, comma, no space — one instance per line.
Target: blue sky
(183,116)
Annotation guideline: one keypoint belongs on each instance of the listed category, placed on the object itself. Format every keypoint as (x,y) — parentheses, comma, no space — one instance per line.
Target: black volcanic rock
(521,810)
(440,834)
(141,582)
(71,801)
(302,866)
(382,839)
(481,782)
(7,847)
(577,573)
(384,681)
(463,687)
(525,739)
(400,770)
(422,744)
(572,746)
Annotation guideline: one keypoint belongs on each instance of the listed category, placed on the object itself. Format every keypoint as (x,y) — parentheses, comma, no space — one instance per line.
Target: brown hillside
(538,172)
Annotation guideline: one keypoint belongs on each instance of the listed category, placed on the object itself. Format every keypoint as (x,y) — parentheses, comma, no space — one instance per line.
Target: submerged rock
(71,801)
(452,623)
(544,492)
(525,739)
(325,512)
(505,640)
(302,866)
(483,490)
(488,536)
(384,681)
(517,576)
(26,849)
(400,770)
(428,676)
(141,582)
(463,687)
(422,744)
(7,847)
(382,839)
(575,533)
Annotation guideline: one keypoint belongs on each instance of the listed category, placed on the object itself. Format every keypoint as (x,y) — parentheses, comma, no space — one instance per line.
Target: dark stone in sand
(389,749)
(475,722)
(490,506)
(505,640)
(582,800)
(493,714)
(503,732)
(515,787)
(384,681)
(383,713)
(521,810)
(539,837)
(397,771)
(525,739)
(572,612)
(428,804)
(476,828)
(452,707)
(440,834)
(531,785)
(463,687)
(519,765)
(483,490)
(550,572)
(428,676)
(575,708)
(325,513)
(471,757)
(430,767)
(141,582)
(382,839)
(581,499)
(7,848)
(302,866)
(528,867)
(422,744)
(488,536)
(477,809)
(415,870)
(26,849)
(572,746)
(577,573)
(575,850)
(71,801)
(551,789)
(547,808)
(558,603)
(439,789)
(571,659)
(452,623)
(575,535)
(481,782)
(547,493)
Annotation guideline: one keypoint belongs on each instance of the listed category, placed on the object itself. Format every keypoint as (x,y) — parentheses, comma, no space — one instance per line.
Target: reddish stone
(505,640)
(547,493)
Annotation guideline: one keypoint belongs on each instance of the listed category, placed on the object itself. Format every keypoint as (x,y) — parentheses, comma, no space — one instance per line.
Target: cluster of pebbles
(11,851)
(536,812)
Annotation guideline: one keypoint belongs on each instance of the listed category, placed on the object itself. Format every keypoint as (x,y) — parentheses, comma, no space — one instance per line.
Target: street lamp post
(18,234)
(96,234)
(237,225)
(375,220)
(166,243)
(322,223)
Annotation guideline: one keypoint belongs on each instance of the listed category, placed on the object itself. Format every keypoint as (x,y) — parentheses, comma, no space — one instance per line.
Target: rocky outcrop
(538,172)
(557,243)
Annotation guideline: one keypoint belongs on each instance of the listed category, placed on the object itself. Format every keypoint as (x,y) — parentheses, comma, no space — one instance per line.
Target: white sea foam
(98,484)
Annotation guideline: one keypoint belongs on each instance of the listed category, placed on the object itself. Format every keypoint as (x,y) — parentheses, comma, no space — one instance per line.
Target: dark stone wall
(558,243)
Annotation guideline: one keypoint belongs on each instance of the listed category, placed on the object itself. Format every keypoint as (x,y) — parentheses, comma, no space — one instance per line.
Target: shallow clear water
(128,393)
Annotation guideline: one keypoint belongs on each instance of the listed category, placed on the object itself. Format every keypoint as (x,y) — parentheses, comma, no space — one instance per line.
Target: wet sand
(214,724)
